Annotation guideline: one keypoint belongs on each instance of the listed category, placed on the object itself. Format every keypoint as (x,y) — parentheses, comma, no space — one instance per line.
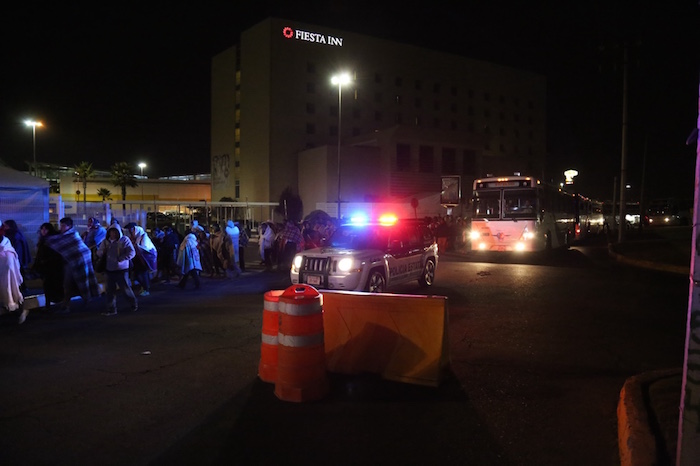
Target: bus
(520,213)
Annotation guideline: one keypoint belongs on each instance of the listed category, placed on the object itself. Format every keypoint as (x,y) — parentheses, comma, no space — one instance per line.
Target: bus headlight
(520,246)
(345,264)
(474,235)
(528,235)
(296,264)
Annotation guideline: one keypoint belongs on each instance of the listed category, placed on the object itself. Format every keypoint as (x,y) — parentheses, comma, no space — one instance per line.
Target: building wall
(223,124)
(148,189)
(288,105)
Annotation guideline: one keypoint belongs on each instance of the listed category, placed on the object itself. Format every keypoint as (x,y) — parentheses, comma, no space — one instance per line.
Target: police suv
(370,256)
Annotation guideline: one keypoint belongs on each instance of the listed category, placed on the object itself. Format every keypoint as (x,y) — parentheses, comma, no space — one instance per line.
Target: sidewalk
(648,410)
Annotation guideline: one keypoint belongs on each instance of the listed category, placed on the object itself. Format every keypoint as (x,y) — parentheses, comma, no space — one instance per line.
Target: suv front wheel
(376,283)
(428,276)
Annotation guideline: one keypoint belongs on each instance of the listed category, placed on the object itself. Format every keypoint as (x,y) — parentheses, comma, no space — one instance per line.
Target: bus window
(519,203)
(487,204)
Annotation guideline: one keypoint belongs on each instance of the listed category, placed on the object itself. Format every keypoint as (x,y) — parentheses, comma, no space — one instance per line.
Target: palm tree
(123,176)
(104,193)
(83,172)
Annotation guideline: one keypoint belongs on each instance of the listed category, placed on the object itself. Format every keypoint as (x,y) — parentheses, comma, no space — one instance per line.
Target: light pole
(142,165)
(33,124)
(339,80)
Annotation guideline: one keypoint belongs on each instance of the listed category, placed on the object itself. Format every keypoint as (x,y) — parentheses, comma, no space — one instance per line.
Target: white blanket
(10,277)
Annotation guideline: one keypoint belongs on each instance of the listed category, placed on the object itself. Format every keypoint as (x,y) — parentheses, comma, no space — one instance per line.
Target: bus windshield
(519,203)
(487,204)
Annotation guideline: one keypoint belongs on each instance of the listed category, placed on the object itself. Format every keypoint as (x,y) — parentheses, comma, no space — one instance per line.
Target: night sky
(131,83)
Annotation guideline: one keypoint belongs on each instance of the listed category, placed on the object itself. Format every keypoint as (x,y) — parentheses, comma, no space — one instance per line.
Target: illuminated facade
(409,117)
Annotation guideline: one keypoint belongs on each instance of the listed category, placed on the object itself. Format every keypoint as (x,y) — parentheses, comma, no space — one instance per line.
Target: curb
(677,269)
(636,441)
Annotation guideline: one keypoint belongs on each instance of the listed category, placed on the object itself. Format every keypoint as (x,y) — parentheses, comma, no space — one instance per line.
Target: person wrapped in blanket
(78,274)
(188,260)
(11,298)
(146,260)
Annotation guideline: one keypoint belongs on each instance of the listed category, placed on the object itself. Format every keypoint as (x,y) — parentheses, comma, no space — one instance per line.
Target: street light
(142,165)
(340,80)
(33,124)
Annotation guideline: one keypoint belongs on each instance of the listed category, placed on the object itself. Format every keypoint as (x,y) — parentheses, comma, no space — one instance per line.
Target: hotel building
(411,119)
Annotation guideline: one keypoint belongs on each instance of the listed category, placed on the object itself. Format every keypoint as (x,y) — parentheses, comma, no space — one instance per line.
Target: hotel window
(377,116)
(468,162)
(310,108)
(311,88)
(398,99)
(470,110)
(238,189)
(453,125)
(333,111)
(453,91)
(398,82)
(310,128)
(332,130)
(449,161)
(436,105)
(530,105)
(419,85)
(418,102)
(377,78)
(377,97)
(436,123)
(426,159)
(436,88)
(487,97)
(403,157)
(470,93)
(356,113)
(398,119)
(310,67)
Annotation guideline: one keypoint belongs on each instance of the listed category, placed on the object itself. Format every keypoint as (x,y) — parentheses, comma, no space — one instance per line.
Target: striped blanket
(79,260)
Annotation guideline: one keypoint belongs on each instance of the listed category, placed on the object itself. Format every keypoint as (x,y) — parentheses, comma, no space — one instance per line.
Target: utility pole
(623,158)
(688,448)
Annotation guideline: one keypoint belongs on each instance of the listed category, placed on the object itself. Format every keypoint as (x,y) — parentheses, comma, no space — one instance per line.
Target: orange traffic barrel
(301,369)
(267,370)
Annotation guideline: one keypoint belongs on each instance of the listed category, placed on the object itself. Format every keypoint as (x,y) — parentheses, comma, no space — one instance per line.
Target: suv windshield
(360,237)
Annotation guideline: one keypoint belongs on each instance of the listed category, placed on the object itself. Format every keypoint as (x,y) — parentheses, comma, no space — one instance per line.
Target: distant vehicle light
(345,264)
(482,246)
(528,235)
(474,235)
(297,262)
(520,246)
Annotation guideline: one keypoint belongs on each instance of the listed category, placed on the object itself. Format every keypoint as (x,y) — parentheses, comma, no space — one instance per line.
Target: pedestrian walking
(235,233)
(117,251)
(78,274)
(11,298)
(19,243)
(146,259)
(188,261)
(49,265)
(222,250)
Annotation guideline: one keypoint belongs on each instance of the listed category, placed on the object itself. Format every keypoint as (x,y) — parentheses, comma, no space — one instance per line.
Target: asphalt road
(539,351)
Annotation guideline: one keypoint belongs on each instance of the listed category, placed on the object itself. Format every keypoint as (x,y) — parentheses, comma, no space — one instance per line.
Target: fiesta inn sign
(307,36)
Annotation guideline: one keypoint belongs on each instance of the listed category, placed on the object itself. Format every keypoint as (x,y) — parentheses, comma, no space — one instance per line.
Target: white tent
(24,199)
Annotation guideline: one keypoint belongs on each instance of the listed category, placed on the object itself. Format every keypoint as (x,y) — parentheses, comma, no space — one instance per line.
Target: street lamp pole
(339,80)
(142,165)
(33,124)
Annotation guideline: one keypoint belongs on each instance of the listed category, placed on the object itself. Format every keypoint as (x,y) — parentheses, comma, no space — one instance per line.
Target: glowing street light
(340,80)
(33,124)
(142,165)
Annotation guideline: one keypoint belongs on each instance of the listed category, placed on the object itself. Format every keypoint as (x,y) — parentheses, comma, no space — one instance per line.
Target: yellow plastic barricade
(400,337)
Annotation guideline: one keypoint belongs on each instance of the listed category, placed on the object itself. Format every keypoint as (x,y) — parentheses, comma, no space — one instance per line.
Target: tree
(290,206)
(123,176)
(83,172)
(104,193)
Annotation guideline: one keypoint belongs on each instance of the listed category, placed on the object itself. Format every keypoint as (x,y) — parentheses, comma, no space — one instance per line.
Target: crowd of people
(128,259)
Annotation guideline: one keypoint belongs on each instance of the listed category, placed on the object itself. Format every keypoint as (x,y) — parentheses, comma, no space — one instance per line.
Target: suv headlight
(345,264)
(296,264)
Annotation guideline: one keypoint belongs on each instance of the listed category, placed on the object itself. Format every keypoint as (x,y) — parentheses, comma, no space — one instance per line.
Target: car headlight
(345,264)
(296,264)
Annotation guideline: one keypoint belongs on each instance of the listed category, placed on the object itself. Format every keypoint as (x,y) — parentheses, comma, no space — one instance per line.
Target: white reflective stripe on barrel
(269,339)
(306,309)
(300,341)
(272,306)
